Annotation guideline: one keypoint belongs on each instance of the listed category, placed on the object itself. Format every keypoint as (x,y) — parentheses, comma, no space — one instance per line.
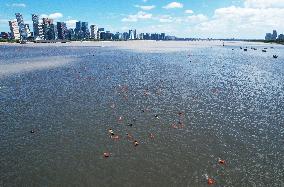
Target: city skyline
(47,29)
(195,19)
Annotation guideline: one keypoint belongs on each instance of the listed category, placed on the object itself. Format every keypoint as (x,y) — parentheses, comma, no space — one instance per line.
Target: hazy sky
(190,18)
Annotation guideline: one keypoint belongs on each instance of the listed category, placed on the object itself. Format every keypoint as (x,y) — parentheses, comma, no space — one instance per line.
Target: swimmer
(151,136)
(32,131)
(135,143)
(130,124)
(210,181)
(111,132)
(156,116)
(174,126)
(120,118)
(129,136)
(106,154)
(115,137)
(220,161)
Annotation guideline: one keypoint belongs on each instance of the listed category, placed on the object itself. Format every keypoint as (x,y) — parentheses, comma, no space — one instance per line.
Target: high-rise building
(274,35)
(125,36)
(14,29)
(78,26)
(132,34)
(162,36)
(268,36)
(117,36)
(4,35)
(85,29)
(154,36)
(21,24)
(71,34)
(99,33)
(49,29)
(37,26)
(28,31)
(281,37)
(141,36)
(135,34)
(62,30)
(147,36)
(94,30)
(79,33)
(82,30)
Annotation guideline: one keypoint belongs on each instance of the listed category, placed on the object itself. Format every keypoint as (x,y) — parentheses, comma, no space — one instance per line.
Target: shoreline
(149,46)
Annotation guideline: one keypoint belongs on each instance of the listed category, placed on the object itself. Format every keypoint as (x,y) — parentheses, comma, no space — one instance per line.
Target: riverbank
(267,41)
(146,45)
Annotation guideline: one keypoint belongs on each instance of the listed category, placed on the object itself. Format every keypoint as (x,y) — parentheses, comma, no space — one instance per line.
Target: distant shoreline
(150,46)
(268,42)
(143,41)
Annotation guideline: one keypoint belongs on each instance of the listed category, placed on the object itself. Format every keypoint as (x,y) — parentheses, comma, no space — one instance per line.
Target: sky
(246,19)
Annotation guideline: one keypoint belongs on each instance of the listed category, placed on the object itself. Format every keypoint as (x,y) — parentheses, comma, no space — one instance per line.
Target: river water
(186,108)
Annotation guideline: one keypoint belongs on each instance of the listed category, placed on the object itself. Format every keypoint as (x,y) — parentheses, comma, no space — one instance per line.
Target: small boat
(263,50)
(245,49)
(275,56)
(241,48)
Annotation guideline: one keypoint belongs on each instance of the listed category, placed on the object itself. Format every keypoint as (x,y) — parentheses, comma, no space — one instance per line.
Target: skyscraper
(79,34)
(132,34)
(38,31)
(274,35)
(141,36)
(21,24)
(27,29)
(85,29)
(135,34)
(162,36)
(125,36)
(14,29)
(49,29)
(268,36)
(71,34)
(62,30)
(99,33)
(281,37)
(94,30)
